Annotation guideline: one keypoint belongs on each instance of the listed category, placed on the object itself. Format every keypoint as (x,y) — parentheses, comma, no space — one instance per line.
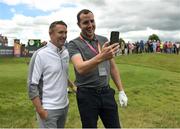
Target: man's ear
(78,25)
(50,32)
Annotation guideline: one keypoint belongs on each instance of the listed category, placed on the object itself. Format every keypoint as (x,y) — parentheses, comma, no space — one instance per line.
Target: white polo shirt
(48,76)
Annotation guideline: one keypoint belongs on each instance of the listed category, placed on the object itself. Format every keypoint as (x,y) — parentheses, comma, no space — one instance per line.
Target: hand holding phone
(114,37)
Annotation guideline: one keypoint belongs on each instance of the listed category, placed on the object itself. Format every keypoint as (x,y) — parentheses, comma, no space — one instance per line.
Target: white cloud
(48,5)
(13,10)
(135,19)
(11,2)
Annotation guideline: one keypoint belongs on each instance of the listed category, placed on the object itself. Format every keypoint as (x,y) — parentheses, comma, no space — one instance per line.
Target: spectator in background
(137,46)
(122,47)
(146,45)
(161,46)
(141,46)
(154,45)
(170,46)
(158,46)
(126,49)
(165,46)
(177,48)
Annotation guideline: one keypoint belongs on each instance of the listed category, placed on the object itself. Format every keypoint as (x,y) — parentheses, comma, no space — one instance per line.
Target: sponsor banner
(6,51)
(17,50)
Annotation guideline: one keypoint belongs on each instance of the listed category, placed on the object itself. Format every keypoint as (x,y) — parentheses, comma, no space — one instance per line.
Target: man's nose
(64,35)
(90,23)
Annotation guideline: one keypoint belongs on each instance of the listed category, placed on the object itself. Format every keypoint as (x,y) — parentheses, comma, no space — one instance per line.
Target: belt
(95,89)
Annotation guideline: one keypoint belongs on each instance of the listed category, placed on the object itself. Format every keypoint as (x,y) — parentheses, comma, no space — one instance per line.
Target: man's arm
(35,71)
(117,80)
(115,75)
(84,67)
(39,109)
(72,85)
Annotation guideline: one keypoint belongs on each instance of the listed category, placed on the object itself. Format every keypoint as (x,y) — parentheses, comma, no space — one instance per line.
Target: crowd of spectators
(151,46)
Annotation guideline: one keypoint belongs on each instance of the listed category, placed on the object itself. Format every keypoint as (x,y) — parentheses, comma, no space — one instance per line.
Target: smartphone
(114,37)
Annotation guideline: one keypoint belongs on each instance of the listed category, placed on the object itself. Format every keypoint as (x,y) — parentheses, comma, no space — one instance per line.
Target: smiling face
(87,24)
(58,35)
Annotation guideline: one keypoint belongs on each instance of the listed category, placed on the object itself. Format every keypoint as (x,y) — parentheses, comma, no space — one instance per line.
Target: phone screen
(114,37)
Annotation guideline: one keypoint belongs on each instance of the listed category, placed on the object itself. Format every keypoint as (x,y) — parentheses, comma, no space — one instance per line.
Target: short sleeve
(72,49)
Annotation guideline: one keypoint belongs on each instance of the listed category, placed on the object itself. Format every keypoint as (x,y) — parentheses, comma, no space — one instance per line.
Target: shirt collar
(87,39)
(54,48)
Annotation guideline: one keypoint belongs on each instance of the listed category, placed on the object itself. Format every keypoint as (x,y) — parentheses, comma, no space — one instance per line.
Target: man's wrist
(39,109)
(99,58)
(121,92)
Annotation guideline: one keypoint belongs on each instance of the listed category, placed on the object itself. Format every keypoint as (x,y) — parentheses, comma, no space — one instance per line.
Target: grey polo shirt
(91,79)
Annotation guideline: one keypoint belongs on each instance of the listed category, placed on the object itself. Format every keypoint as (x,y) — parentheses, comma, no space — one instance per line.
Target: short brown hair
(51,27)
(84,11)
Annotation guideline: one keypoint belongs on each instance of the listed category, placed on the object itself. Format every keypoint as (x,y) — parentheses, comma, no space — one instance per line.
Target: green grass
(151,81)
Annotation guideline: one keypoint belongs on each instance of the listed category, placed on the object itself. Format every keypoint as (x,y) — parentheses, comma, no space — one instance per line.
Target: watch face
(31,42)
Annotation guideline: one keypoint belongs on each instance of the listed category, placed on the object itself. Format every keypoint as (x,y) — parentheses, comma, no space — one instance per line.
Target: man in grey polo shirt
(93,62)
(48,79)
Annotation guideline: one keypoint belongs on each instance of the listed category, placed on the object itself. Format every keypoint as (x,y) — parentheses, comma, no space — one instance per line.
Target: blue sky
(7,11)
(134,19)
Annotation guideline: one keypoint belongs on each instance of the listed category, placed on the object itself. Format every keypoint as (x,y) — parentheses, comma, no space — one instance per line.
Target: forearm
(37,104)
(84,67)
(115,75)
(69,83)
(72,85)
(39,108)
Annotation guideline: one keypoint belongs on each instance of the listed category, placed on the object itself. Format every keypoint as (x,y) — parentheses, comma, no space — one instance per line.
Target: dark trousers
(97,102)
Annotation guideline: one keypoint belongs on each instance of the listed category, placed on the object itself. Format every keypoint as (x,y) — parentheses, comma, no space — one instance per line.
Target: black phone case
(114,37)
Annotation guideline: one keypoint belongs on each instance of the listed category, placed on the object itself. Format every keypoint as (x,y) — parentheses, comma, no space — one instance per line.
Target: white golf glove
(123,100)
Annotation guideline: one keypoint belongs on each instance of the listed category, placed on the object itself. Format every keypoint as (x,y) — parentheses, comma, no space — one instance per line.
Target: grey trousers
(55,119)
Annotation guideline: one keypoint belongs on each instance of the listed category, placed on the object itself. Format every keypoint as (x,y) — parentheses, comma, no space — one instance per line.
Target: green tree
(153,37)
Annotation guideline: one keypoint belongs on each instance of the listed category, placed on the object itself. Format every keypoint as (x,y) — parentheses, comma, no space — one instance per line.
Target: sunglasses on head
(86,22)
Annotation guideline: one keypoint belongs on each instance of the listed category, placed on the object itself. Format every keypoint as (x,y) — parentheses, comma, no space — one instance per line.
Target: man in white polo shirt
(48,79)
